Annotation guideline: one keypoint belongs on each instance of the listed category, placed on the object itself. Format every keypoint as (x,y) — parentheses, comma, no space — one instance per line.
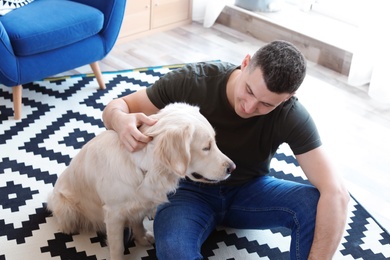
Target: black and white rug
(59,116)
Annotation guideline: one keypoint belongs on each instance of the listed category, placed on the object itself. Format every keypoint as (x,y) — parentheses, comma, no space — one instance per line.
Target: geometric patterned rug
(62,114)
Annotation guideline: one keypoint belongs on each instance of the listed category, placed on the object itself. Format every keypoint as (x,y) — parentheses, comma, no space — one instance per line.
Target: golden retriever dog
(107,188)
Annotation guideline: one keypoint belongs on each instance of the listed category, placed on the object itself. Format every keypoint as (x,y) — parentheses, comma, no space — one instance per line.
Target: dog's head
(184,142)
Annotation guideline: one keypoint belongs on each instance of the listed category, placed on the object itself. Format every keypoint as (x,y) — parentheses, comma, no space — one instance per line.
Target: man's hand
(125,115)
(128,131)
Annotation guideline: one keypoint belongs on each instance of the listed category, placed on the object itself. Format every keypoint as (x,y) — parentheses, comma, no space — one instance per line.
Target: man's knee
(171,247)
(309,201)
(174,241)
(179,232)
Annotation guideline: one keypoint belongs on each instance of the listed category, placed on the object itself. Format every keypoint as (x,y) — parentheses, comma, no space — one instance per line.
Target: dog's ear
(173,149)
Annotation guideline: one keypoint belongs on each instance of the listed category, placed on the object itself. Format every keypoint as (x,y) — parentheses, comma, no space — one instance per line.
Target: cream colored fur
(106,188)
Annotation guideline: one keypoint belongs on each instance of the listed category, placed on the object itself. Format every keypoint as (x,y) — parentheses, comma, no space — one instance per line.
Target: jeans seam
(201,234)
(294,216)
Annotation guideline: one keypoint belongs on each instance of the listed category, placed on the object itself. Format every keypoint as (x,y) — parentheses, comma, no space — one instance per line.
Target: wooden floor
(354,128)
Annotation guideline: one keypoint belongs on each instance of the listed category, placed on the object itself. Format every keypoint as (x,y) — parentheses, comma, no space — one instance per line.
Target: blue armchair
(47,37)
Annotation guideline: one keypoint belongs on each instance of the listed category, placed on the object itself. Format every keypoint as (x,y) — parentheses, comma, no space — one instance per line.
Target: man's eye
(267,105)
(249,91)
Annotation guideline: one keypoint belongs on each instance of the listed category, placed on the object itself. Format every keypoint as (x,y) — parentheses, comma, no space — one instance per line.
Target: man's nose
(251,106)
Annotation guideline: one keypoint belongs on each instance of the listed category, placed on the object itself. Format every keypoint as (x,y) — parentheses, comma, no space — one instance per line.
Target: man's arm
(125,115)
(332,206)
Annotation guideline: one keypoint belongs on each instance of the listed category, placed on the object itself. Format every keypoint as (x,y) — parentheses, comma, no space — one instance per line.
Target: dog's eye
(207,148)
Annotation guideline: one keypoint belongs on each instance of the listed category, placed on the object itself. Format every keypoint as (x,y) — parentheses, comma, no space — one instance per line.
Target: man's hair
(282,64)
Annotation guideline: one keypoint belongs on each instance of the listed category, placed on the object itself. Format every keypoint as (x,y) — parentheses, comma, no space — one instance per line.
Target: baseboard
(336,56)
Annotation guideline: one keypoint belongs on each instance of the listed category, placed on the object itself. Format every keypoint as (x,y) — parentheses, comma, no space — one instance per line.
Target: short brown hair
(282,64)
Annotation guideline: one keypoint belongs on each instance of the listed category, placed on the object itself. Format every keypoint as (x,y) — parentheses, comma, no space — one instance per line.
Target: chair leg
(17,98)
(98,74)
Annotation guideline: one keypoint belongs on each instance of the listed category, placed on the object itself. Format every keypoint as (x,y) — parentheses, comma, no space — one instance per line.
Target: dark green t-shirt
(250,143)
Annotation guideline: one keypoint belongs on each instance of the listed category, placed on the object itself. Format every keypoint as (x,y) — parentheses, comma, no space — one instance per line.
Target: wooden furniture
(146,16)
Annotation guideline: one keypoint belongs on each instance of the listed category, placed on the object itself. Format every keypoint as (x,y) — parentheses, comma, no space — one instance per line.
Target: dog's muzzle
(229,170)
(200,177)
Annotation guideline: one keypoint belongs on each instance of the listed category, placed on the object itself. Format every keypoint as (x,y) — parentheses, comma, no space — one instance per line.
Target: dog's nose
(231,167)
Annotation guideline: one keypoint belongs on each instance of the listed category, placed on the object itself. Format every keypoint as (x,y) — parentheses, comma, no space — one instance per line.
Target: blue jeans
(195,209)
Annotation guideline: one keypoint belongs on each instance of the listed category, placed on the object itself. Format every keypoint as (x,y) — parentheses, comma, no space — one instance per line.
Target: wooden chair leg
(98,74)
(17,98)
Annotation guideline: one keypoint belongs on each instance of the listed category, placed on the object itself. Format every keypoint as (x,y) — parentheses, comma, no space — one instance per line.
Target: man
(254,110)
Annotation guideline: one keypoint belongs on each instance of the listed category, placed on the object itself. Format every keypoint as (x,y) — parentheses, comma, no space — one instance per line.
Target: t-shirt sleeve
(175,86)
(160,93)
(301,134)
(197,84)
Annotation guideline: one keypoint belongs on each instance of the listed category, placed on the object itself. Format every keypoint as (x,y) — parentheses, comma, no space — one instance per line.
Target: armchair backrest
(113,11)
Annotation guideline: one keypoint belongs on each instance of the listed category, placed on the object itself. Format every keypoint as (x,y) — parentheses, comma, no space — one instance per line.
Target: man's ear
(289,97)
(245,62)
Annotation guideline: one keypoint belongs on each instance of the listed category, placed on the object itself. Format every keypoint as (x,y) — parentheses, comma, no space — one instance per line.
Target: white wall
(199,9)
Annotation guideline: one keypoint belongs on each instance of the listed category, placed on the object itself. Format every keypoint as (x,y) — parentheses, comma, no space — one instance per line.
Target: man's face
(251,96)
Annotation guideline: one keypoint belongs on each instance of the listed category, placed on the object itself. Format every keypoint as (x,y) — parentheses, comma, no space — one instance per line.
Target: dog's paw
(146,240)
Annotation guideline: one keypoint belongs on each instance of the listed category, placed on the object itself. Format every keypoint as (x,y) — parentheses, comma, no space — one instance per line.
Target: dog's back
(75,201)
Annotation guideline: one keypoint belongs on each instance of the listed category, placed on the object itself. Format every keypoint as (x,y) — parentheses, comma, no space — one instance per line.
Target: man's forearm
(111,112)
(330,225)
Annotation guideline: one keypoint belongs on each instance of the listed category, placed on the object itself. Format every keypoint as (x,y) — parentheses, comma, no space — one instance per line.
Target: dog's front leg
(140,234)
(114,226)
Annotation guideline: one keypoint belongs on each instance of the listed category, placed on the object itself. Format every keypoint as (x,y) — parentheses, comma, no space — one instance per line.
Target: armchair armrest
(8,63)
